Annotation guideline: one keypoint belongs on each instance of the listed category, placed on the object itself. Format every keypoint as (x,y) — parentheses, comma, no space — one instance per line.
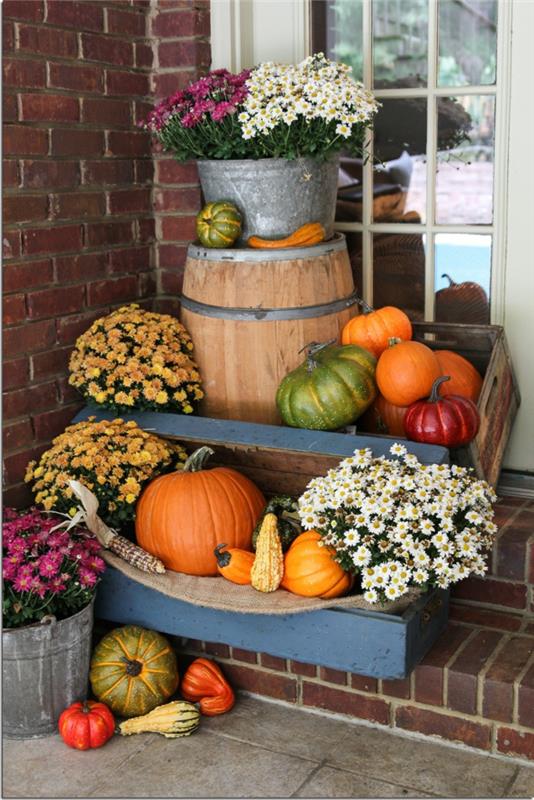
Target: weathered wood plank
(231,433)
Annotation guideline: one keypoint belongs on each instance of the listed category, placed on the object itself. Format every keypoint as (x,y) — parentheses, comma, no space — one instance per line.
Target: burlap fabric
(218,593)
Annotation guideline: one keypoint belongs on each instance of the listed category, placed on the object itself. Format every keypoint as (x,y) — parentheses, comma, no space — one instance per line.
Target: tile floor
(261,749)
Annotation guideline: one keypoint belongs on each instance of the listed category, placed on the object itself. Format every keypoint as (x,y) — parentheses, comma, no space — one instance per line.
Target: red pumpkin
(373,329)
(204,683)
(406,371)
(465,380)
(451,421)
(383,417)
(86,725)
(183,516)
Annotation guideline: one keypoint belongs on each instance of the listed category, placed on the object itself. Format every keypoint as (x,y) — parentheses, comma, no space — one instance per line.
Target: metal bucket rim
(51,621)
(221,162)
(198,251)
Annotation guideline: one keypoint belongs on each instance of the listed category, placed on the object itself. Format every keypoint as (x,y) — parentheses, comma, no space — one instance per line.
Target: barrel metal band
(268,314)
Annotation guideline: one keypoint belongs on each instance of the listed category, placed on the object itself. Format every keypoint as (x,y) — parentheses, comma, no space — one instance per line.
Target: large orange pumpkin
(465,380)
(310,570)
(406,372)
(383,417)
(182,517)
(373,329)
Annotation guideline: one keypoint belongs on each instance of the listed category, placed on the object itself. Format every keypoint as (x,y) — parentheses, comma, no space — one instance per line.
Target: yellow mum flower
(162,397)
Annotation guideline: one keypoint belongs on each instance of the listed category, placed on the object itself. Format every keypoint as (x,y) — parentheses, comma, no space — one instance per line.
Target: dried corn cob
(134,554)
(108,538)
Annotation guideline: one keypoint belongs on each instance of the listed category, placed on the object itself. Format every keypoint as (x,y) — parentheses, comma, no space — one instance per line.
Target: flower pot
(45,669)
(274,195)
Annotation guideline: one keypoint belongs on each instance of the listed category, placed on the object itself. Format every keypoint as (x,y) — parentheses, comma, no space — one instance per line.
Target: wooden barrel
(250,312)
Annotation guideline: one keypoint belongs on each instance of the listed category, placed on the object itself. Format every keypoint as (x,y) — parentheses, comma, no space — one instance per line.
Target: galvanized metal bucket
(275,196)
(45,668)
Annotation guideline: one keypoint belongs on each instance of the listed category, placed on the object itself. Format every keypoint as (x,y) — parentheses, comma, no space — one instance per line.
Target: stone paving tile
(48,768)
(279,728)
(330,782)
(206,765)
(523,785)
(425,766)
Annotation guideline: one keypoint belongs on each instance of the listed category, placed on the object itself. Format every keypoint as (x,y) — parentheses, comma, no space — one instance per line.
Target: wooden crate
(486,348)
(279,460)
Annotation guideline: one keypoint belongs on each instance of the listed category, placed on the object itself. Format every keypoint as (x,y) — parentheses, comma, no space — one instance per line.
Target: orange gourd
(373,329)
(182,516)
(383,417)
(310,570)
(204,683)
(308,234)
(465,380)
(406,372)
(234,564)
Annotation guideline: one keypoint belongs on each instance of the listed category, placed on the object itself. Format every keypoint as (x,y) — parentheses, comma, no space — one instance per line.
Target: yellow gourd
(268,567)
(172,720)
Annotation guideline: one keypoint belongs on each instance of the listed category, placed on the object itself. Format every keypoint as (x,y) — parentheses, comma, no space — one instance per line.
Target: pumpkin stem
(312,349)
(393,340)
(198,459)
(86,707)
(366,308)
(133,667)
(434,394)
(451,282)
(223,559)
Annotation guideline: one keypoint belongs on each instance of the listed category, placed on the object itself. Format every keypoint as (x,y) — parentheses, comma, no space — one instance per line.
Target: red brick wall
(79,204)
(180,34)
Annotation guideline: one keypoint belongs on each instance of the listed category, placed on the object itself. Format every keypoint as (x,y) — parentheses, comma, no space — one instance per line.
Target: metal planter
(45,669)
(274,195)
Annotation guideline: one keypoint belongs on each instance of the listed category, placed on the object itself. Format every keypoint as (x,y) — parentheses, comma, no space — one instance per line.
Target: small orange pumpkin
(465,380)
(310,570)
(234,564)
(384,417)
(373,329)
(406,372)
(182,516)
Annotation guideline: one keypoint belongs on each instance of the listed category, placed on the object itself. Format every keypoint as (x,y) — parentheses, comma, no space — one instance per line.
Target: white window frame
(250,31)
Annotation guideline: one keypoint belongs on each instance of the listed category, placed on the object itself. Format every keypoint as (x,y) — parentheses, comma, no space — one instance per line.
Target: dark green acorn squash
(330,389)
(218,224)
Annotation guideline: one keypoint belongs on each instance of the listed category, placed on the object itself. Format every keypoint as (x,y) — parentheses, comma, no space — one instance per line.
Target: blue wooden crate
(353,640)
(281,459)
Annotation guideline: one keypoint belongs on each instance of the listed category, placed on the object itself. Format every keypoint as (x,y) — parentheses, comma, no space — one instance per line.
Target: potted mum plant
(398,524)
(49,582)
(269,138)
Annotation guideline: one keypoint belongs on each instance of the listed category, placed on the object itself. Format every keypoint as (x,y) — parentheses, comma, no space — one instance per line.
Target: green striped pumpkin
(133,670)
(330,389)
(218,224)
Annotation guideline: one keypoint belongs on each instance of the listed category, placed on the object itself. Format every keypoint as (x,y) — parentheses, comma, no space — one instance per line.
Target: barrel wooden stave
(243,360)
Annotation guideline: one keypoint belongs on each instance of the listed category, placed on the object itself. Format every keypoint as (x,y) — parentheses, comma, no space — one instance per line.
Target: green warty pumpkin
(330,389)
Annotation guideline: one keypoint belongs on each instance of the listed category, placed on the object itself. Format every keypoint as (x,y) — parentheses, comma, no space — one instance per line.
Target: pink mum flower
(23,583)
(87,577)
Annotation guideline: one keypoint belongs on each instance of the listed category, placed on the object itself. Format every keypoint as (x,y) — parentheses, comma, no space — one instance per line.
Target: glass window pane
(467,42)
(462,278)
(337,32)
(399,180)
(464,180)
(354,246)
(400,43)
(399,272)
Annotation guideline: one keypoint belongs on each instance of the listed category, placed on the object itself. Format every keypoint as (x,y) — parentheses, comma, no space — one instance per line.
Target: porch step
(509,583)
(476,685)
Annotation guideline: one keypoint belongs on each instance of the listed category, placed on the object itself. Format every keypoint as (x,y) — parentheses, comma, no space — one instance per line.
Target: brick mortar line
(483,606)
(129,38)
(450,662)
(516,685)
